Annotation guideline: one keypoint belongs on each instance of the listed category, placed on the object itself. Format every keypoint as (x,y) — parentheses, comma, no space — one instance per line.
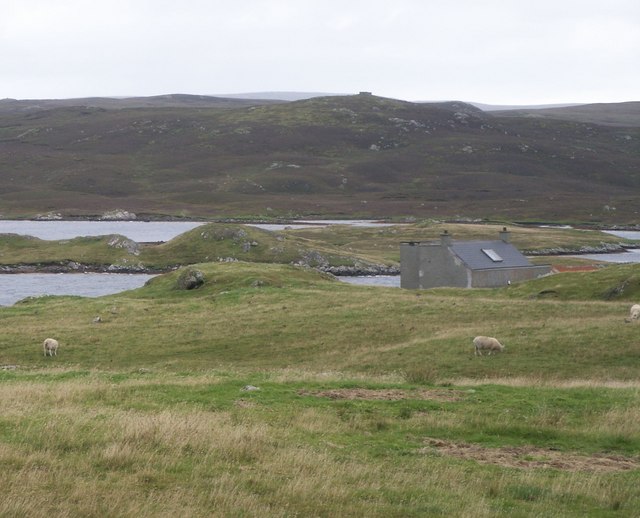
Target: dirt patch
(385,394)
(528,457)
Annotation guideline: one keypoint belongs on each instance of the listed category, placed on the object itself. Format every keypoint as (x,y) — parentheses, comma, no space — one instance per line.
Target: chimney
(445,238)
(505,235)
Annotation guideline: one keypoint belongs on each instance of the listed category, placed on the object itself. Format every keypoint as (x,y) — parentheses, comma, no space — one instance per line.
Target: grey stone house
(465,264)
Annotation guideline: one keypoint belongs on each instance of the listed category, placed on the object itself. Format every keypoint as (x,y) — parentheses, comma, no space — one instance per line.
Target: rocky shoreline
(604,248)
(360,271)
(74,267)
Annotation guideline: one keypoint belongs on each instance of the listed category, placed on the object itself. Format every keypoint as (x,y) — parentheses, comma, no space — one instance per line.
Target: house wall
(409,265)
(429,265)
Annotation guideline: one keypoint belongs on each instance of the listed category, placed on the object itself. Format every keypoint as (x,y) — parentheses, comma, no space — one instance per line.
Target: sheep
(50,347)
(486,342)
(634,313)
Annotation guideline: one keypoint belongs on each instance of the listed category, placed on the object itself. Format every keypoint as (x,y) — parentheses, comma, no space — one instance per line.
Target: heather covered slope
(352,155)
(614,114)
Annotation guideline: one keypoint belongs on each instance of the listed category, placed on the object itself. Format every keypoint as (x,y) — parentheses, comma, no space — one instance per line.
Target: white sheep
(50,347)
(486,343)
(634,313)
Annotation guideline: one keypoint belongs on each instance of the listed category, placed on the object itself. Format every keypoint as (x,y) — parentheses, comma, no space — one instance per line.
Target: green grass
(619,282)
(196,444)
(383,243)
(370,400)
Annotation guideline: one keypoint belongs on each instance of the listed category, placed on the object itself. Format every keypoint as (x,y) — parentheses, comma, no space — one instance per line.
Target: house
(465,264)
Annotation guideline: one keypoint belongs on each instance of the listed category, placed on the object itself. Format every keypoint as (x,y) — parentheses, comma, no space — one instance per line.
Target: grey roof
(471,254)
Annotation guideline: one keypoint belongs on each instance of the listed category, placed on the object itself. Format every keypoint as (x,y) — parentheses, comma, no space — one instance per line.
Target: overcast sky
(490,51)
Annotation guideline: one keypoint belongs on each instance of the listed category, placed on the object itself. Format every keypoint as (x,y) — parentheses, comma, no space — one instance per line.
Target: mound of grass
(222,242)
(100,250)
(229,277)
(213,242)
(614,282)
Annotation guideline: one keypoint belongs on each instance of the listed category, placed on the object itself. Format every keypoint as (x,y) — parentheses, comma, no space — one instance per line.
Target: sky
(508,52)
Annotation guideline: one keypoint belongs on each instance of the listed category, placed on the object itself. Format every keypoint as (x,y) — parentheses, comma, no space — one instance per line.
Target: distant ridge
(117,103)
(610,114)
(501,107)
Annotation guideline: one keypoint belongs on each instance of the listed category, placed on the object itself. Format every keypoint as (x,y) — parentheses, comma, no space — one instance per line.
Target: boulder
(190,279)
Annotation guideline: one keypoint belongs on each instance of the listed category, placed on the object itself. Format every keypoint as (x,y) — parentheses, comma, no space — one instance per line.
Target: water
(15,287)
(365,223)
(139,231)
(625,234)
(388,281)
(630,256)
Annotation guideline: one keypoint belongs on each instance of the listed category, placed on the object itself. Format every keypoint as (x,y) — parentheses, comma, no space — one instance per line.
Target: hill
(613,114)
(119,103)
(358,155)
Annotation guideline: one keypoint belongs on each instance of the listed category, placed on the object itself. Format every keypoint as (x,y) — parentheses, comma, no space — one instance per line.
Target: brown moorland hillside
(356,155)
(613,114)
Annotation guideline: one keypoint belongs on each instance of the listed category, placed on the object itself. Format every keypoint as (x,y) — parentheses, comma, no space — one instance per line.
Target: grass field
(274,390)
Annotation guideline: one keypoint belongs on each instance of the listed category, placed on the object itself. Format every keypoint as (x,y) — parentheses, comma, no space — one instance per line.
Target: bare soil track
(385,394)
(529,457)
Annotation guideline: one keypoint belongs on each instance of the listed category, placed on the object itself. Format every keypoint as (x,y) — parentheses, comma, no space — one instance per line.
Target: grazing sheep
(50,347)
(634,313)
(486,343)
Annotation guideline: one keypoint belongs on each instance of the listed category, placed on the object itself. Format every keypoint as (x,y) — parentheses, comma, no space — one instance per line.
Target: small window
(492,254)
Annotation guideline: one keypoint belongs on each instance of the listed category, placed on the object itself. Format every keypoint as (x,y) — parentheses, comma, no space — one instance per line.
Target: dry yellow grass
(94,446)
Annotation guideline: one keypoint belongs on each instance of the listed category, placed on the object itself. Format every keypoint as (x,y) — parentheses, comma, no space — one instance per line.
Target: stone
(190,279)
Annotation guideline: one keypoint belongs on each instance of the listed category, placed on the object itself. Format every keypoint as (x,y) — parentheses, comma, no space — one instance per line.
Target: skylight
(492,254)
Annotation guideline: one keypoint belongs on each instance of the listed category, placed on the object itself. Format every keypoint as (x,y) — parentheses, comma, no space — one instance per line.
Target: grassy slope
(144,414)
(15,249)
(258,316)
